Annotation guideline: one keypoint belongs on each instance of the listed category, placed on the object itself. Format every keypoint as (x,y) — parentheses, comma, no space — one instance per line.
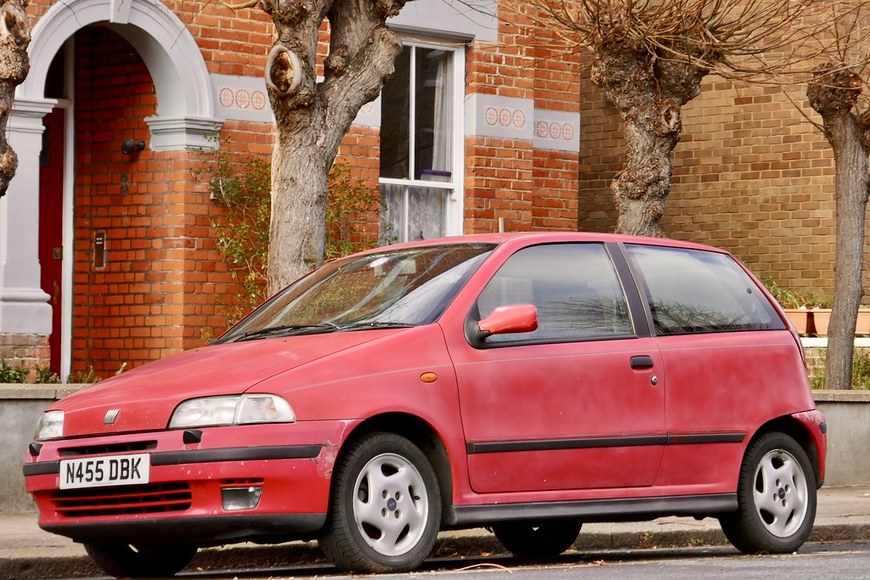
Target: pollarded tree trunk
(14,65)
(312,117)
(833,95)
(649,93)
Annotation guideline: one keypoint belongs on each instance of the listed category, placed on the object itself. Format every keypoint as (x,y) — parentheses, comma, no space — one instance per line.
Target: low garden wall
(20,408)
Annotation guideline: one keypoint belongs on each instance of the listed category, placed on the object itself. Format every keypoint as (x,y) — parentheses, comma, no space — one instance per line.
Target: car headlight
(232,410)
(50,426)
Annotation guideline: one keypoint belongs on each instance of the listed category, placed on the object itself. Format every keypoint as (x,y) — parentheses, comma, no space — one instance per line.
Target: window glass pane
(693,291)
(417,144)
(574,287)
(395,115)
(433,110)
(425,213)
(425,216)
(392,219)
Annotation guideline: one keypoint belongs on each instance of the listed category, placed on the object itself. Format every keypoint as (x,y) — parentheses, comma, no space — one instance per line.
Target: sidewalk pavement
(26,551)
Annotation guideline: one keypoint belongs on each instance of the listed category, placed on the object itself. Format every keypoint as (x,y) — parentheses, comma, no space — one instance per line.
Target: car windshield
(393,288)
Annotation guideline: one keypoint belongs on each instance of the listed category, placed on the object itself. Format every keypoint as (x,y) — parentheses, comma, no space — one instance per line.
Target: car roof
(530,238)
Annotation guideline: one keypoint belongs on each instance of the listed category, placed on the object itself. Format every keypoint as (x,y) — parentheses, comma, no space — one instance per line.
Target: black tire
(385,506)
(537,541)
(148,561)
(776,495)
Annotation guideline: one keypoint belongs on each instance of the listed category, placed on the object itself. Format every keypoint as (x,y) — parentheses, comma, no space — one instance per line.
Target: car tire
(149,561)
(536,541)
(385,506)
(776,496)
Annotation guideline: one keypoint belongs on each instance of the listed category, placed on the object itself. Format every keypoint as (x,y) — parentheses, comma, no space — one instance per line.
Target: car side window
(574,287)
(695,291)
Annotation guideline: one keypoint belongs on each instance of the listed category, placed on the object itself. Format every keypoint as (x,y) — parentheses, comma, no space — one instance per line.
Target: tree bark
(312,117)
(649,94)
(834,96)
(14,66)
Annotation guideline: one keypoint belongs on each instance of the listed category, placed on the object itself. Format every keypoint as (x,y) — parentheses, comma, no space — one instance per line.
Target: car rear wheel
(148,561)
(544,540)
(385,509)
(776,496)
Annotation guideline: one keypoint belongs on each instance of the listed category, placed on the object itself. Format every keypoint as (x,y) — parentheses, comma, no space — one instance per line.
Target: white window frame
(455,201)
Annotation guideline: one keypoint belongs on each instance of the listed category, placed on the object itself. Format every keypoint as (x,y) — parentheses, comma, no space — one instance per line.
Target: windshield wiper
(288,330)
(370,325)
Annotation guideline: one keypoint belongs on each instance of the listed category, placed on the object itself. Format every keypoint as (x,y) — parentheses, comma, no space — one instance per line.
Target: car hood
(146,396)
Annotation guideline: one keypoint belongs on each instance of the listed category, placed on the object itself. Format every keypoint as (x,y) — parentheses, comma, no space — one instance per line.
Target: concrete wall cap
(37,391)
(841,396)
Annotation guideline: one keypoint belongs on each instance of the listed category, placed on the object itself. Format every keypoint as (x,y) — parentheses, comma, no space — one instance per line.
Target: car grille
(126,500)
(109,448)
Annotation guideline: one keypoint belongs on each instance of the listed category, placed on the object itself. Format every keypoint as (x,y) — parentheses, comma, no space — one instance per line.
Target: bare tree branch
(240,6)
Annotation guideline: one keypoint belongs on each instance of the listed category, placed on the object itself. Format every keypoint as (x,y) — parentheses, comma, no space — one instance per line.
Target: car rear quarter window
(695,291)
(574,287)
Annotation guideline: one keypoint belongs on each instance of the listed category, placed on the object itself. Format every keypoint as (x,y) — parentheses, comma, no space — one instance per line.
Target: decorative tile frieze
(557,130)
(511,118)
(496,116)
(241,98)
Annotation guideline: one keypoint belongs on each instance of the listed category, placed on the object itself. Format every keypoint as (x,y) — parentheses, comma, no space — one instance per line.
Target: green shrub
(13,374)
(794,299)
(43,374)
(860,371)
(242,185)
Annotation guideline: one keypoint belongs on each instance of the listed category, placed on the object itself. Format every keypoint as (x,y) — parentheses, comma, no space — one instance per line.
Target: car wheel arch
(793,428)
(419,432)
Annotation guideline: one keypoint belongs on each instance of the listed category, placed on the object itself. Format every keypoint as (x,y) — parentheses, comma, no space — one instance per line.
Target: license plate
(105,471)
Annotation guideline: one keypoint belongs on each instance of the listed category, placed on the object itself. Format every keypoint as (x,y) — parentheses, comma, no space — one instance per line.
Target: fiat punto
(527,383)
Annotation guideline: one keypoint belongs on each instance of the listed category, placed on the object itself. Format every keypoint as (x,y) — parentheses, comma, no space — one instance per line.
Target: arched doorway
(48,242)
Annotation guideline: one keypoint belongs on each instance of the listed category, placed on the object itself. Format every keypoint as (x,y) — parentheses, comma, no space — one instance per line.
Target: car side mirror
(509,320)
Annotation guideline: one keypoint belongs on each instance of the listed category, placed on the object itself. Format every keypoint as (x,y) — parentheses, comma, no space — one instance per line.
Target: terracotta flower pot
(801,319)
(821,318)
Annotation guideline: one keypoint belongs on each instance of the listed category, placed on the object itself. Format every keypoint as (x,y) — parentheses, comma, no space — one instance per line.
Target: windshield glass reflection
(404,287)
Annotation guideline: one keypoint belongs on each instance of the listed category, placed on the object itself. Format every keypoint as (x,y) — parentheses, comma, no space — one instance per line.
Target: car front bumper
(285,467)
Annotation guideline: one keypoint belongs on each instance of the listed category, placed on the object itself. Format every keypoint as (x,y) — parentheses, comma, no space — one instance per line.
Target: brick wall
(750,174)
(231,42)
(498,184)
(508,179)
(162,285)
(26,350)
(556,174)
(359,152)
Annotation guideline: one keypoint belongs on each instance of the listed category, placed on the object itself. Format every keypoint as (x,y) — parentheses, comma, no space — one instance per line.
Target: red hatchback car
(523,382)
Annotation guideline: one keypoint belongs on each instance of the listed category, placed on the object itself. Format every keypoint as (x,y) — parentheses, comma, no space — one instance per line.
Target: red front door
(51,224)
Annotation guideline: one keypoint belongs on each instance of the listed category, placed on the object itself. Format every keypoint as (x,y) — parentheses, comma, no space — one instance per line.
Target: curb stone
(307,554)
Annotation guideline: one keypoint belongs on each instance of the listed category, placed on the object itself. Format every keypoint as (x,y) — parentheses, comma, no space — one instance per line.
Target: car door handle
(641,362)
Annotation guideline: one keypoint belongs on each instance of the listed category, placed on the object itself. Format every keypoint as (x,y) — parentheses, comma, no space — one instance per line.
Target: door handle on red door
(641,362)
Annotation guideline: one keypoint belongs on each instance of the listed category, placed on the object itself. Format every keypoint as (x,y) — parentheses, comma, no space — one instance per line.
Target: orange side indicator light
(428,377)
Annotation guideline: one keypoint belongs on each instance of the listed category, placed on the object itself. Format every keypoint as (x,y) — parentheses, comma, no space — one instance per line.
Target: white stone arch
(185,118)
(185,100)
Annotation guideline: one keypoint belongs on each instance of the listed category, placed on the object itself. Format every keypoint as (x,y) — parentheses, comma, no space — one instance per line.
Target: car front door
(577,403)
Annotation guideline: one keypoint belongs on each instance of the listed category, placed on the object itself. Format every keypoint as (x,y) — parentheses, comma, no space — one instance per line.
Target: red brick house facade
(107,255)
(107,251)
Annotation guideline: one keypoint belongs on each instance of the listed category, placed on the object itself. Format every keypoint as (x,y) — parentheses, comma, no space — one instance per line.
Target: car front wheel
(776,496)
(148,561)
(386,506)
